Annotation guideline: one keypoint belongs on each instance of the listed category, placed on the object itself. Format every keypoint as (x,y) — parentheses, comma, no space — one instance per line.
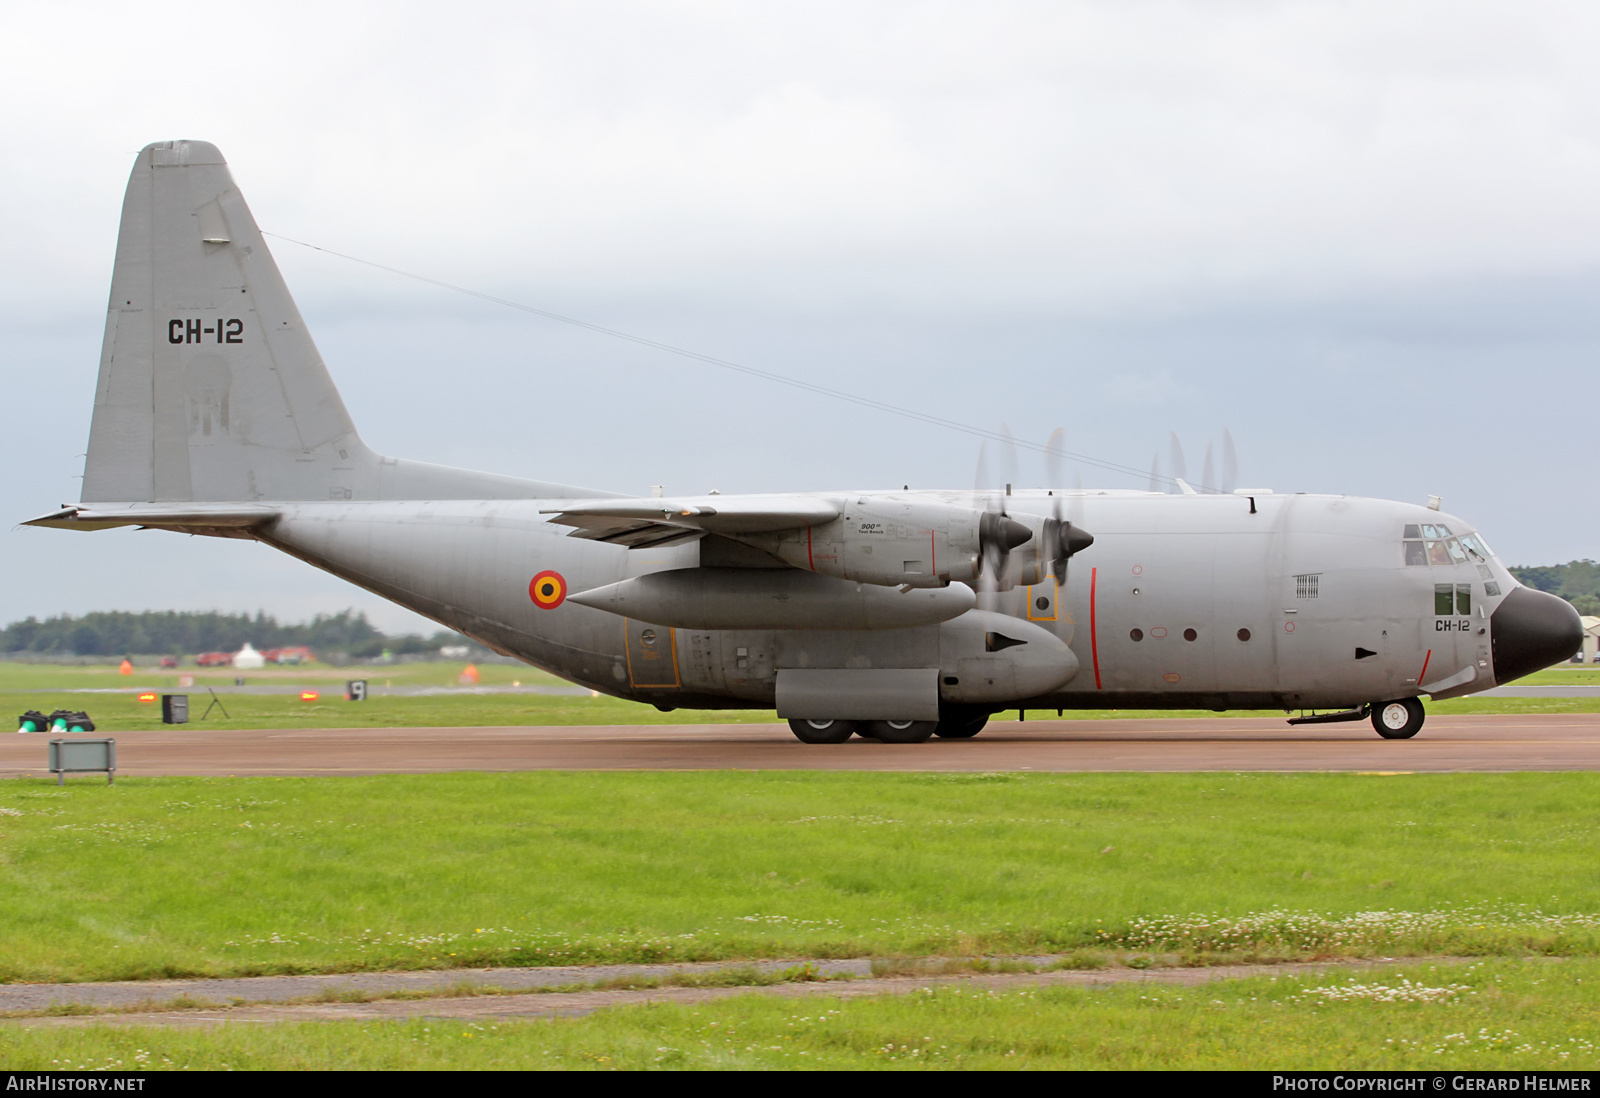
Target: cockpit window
(1432,543)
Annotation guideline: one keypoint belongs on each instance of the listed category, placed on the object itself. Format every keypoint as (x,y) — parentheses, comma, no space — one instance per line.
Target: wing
(641,523)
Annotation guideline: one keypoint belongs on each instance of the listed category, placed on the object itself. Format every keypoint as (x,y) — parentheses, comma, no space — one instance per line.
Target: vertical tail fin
(210,386)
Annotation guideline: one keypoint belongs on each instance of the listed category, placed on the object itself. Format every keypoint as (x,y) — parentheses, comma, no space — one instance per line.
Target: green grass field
(167,877)
(1493,1014)
(46,687)
(171,877)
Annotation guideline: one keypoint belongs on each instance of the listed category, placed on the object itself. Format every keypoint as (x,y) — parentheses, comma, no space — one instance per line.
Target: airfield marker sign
(83,756)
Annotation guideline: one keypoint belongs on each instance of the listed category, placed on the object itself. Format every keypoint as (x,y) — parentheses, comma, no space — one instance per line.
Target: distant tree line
(1576,581)
(175,633)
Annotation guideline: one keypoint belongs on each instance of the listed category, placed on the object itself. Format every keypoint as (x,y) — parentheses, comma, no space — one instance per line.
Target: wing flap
(641,522)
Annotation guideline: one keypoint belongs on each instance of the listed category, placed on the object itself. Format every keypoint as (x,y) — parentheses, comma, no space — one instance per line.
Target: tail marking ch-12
(891,614)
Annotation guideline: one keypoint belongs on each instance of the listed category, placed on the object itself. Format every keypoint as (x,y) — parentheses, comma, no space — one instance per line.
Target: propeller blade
(1053,458)
(1180,471)
(1050,529)
(998,533)
(1208,480)
(1155,473)
(1062,537)
(1230,463)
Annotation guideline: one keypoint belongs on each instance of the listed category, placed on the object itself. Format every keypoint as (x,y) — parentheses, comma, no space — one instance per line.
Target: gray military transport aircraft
(890,615)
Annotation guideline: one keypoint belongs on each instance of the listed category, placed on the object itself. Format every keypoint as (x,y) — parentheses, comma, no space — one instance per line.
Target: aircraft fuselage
(1204,601)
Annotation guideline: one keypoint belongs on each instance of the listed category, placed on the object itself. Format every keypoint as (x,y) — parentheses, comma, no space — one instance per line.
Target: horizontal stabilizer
(226,520)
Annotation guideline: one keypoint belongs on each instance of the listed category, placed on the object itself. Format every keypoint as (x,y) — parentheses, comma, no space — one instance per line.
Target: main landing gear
(822,731)
(955,724)
(1398,720)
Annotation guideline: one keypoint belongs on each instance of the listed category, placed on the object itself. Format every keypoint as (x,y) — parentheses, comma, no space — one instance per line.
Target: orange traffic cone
(469,677)
(126,668)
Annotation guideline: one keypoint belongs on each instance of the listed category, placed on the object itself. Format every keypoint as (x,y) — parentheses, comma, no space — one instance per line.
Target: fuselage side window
(1444,599)
(1452,598)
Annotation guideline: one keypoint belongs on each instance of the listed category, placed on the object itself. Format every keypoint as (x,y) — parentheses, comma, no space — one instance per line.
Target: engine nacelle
(994,658)
(896,542)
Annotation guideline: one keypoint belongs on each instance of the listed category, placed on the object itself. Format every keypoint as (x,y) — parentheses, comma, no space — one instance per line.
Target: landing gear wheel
(961,726)
(899,731)
(808,731)
(1398,720)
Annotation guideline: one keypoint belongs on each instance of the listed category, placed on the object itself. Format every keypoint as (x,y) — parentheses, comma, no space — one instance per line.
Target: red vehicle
(298,654)
(169,661)
(214,659)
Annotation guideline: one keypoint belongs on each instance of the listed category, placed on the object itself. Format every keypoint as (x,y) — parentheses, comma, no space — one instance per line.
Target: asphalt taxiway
(1568,741)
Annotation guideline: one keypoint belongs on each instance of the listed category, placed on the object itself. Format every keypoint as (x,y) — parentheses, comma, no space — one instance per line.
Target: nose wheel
(1398,720)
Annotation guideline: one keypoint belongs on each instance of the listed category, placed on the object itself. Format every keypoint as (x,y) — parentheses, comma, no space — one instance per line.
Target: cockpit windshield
(1432,543)
(1475,548)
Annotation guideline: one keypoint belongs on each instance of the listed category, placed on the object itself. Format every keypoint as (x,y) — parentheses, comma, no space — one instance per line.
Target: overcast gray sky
(1361,236)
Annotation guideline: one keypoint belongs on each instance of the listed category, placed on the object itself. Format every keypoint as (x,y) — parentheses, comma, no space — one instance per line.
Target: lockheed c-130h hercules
(889,614)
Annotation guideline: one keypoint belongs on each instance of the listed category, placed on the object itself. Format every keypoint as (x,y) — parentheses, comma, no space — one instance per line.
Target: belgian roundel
(548,590)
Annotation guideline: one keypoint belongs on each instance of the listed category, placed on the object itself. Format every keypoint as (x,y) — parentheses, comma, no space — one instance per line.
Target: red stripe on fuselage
(1423,673)
(1094,635)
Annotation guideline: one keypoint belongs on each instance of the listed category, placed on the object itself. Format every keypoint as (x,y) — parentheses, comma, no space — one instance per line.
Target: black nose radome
(1531,629)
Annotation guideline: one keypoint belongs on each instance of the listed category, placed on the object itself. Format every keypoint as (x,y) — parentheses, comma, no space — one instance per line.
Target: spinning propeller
(998,533)
(1061,538)
(1178,470)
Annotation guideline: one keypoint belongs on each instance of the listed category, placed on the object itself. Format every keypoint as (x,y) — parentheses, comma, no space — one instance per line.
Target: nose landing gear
(1398,720)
